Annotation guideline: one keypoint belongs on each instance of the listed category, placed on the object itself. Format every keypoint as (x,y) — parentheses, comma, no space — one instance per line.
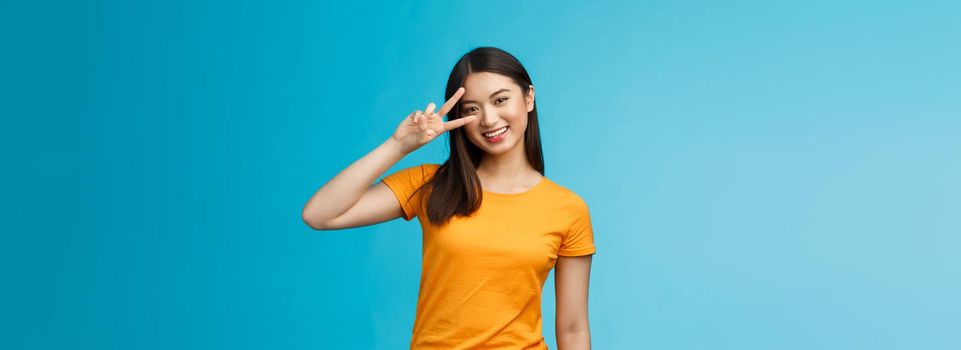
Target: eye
(498,101)
(469,109)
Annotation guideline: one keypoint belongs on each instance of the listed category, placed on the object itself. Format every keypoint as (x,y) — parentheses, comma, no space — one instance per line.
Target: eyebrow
(492,95)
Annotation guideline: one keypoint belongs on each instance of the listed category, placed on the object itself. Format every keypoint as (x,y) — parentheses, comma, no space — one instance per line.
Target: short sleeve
(405,182)
(580,236)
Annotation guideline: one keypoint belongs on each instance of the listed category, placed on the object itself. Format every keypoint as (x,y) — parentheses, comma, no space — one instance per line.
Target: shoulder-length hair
(455,188)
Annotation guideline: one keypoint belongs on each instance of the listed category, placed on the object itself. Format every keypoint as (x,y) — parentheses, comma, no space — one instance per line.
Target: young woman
(493,225)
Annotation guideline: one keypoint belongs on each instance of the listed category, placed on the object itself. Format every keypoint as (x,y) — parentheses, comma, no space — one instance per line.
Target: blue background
(760,175)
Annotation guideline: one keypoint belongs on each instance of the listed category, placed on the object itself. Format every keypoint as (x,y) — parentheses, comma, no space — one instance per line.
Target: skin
(497,102)
(488,101)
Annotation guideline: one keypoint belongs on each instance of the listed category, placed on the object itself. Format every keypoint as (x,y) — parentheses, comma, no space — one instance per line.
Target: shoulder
(411,177)
(566,196)
(573,210)
(422,170)
(427,170)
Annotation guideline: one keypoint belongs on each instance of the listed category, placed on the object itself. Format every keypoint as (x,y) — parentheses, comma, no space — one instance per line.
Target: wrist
(395,147)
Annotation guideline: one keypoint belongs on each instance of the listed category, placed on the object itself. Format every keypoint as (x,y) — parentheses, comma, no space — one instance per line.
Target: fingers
(417,115)
(426,122)
(451,102)
(456,123)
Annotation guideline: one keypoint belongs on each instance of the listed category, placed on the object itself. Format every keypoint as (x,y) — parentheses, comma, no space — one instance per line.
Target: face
(501,109)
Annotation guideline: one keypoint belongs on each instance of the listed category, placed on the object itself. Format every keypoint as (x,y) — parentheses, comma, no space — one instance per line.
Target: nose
(488,119)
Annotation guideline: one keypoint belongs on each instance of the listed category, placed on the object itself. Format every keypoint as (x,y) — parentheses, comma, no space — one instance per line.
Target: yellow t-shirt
(482,276)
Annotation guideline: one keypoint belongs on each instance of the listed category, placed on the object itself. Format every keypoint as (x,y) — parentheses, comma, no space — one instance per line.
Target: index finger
(451,102)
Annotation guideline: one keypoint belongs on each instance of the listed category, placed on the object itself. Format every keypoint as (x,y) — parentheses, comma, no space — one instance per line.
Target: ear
(530,98)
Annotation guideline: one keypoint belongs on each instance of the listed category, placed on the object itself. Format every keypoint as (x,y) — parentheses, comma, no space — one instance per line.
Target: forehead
(480,85)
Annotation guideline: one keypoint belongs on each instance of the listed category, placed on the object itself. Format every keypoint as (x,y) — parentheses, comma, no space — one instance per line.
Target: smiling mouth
(495,133)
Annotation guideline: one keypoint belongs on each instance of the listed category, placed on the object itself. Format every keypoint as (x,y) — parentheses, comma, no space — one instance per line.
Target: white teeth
(495,133)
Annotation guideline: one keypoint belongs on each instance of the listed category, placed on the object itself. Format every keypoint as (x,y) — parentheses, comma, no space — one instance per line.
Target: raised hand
(421,127)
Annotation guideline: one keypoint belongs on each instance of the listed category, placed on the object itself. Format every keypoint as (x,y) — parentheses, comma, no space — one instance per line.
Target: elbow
(321,223)
(578,326)
(313,222)
(574,328)
(574,337)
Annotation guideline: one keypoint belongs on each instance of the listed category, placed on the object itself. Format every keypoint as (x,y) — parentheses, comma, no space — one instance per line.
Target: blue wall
(761,176)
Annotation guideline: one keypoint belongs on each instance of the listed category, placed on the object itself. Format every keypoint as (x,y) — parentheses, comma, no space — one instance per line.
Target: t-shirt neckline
(528,191)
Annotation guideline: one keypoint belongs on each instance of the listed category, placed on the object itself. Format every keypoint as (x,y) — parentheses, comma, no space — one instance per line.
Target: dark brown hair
(455,188)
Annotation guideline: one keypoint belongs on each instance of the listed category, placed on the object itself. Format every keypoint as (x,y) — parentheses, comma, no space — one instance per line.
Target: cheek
(472,132)
(517,118)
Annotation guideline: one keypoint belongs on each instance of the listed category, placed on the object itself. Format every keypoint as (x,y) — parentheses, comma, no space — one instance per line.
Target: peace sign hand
(421,127)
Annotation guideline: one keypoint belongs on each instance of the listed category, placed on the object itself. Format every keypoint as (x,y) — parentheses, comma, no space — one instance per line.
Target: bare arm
(351,188)
(350,200)
(571,280)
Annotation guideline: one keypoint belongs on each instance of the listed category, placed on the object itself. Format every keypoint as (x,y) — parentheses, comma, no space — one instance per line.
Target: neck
(510,167)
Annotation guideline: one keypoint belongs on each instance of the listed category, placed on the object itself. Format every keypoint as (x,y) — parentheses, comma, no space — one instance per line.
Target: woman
(493,225)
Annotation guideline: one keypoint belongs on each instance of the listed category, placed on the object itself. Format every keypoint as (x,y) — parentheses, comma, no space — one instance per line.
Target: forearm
(347,187)
(574,340)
